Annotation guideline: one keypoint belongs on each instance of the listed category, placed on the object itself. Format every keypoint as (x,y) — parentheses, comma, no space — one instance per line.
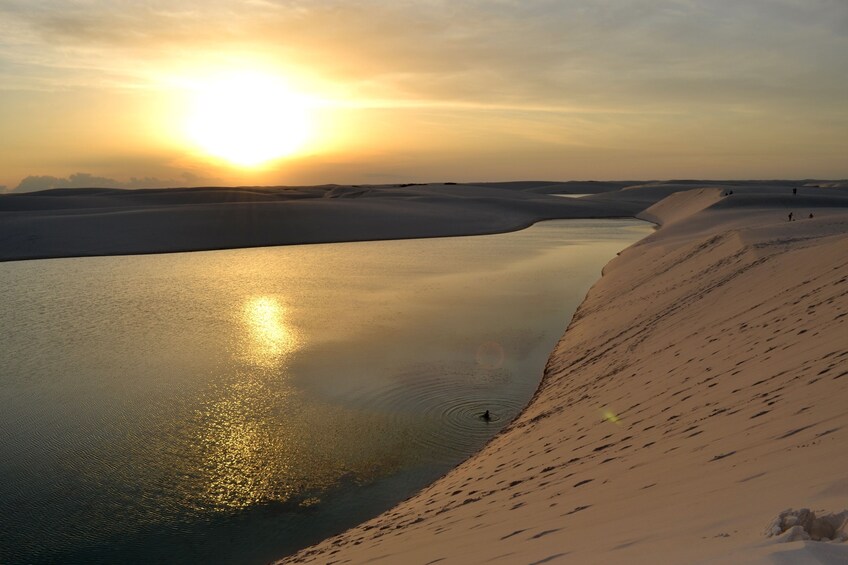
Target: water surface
(233,406)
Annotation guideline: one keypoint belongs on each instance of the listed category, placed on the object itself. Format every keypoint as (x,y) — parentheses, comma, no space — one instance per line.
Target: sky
(167,93)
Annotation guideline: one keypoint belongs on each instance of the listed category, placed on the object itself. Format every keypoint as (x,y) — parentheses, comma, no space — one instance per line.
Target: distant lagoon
(234,406)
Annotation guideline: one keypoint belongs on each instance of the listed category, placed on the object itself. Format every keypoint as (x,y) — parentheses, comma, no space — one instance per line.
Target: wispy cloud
(698,78)
(641,53)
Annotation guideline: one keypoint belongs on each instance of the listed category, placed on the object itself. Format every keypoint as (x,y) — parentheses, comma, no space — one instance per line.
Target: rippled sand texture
(699,392)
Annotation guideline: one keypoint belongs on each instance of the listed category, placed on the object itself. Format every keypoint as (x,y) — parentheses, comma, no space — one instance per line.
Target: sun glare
(248,119)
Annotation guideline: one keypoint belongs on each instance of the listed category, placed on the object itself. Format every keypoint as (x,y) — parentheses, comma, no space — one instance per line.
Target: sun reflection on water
(248,448)
(261,439)
(271,338)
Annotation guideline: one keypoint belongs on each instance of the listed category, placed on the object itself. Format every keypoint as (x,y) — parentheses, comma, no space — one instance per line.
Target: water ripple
(448,409)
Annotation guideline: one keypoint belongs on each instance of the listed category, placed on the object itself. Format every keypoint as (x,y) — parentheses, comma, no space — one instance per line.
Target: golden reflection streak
(244,448)
(261,441)
(271,338)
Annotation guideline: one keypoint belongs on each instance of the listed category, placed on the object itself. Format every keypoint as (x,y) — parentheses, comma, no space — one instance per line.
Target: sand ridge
(698,392)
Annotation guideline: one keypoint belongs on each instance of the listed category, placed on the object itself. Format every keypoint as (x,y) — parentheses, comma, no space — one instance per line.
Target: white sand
(700,390)
(71,223)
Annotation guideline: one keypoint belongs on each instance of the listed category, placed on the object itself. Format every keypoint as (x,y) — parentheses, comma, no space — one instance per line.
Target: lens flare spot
(490,355)
(611,416)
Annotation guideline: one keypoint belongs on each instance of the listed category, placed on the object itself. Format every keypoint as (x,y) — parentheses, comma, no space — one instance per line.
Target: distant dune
(693,411)
(85,222)
(103,221)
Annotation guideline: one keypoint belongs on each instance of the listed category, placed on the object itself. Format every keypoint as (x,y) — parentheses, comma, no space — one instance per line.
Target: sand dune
(70,223)
(698,393)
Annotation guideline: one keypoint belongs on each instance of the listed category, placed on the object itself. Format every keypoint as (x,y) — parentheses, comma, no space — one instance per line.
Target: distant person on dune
(790,216)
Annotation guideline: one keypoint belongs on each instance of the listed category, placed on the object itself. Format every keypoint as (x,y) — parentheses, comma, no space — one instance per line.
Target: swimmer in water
(486,416)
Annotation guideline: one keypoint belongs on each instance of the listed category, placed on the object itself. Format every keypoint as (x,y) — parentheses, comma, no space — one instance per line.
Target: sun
(248,118)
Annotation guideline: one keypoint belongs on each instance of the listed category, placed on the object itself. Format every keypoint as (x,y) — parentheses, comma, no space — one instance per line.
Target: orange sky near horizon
(282,92)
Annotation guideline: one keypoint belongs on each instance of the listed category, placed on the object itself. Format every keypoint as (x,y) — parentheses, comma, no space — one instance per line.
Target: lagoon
(234,406)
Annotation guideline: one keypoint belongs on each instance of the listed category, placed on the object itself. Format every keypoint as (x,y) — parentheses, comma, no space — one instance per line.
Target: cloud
(33,183)
(589,53)
(721,79)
